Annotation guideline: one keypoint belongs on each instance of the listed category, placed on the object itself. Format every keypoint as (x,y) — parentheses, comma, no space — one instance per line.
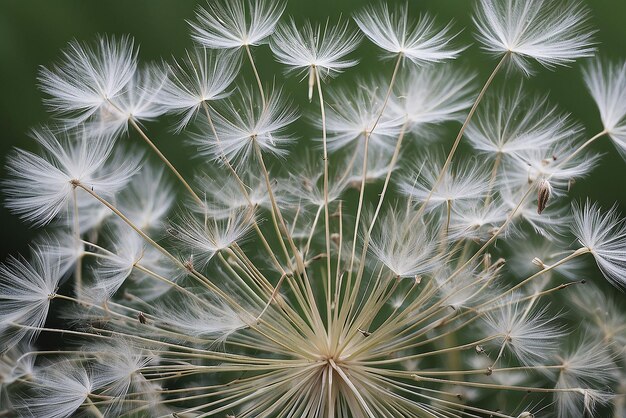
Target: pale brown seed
(544,191)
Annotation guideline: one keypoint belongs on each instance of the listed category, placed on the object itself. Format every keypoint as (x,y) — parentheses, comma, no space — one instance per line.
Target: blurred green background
(32,33)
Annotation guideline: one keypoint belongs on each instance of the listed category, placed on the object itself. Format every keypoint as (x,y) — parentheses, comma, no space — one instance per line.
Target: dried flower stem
(256,75)
(457,141)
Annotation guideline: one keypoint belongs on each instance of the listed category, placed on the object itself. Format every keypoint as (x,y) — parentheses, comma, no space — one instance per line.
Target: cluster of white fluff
(341,258)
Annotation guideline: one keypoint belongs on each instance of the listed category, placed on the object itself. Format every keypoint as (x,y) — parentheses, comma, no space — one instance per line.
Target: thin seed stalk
(256,75)
(349,286)
(78,269)
(278,218)
(163,251)
(457,141)
(329,273)
(167,162)
(244,191)
(582,147)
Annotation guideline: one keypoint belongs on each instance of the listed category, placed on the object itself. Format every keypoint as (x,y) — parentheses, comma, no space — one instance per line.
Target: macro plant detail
(347,257)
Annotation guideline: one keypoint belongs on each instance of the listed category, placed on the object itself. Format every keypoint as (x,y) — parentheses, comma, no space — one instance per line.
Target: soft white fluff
(231,24)
(420,40)
(552,32)
(42,186)
(244,123)
(604,235)
(606,82)
(309,48)
(196,80)
(88,76)
(26,289)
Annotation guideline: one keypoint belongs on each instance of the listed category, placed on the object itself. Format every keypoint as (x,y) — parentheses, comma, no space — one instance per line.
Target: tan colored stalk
(256,76)
(78,269)
(349,288)
(166,161)
(457,141)
(329,273)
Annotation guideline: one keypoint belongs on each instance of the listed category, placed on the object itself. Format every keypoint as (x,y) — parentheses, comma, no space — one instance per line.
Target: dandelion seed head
(195,81)
(88,76)
(234,24)
(322,48)
(604,235)
(392,30)
(606,81)
(335,266)
(552,33)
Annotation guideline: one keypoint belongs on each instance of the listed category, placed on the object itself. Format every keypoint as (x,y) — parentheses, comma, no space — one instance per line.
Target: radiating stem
(162,250)
(273,295)
(390,169)
(582,147)
(94,410)
(277,218)
(492,179)
(78,269)
(353,388)
(562,261)
(352,290)
(367,237)
(326,215)
(499,386)
(244,191)
(462,130)
(166,161)
(256,76)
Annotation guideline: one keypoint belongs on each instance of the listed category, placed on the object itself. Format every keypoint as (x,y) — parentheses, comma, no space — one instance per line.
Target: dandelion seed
(211,318)
(552,33)
(305,185)
(121,374)
(206,238)
(463,183)
(586,366)
(313,50)
(431,95)
(535,165)
(242,124)
(353,113)
(510,124)
(148,198)
(88,77)
(549,223)
(135,104)
(603,315)
(236,23)
(544,191)
(471,220)
(530,334)
(604,235)
(15,365)
(26,289)
(42,186)
(128,251)
(62,245)
(200,78)
(62,388)
(392,31)
(224,195)
(403,245)
(606,81)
